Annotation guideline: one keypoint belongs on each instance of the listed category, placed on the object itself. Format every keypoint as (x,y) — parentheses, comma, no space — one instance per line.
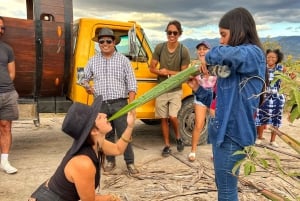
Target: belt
(112,101)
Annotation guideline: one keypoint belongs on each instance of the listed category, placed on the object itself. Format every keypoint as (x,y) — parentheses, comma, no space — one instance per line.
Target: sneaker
(258,142)
(6,166)
(192,156)
(132,169)
(166,151)
(109,166)
(274,144)
(180,145)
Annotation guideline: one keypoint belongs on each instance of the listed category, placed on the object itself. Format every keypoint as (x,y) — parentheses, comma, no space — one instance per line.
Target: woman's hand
(203,67)
(108,197)
(131,117)
(292,75)
(193,83)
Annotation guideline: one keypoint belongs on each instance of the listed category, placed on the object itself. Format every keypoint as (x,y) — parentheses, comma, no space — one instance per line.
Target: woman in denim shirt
(233,126)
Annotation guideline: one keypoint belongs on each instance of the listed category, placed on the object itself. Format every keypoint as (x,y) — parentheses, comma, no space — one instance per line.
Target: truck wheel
(151,121)
(186,118)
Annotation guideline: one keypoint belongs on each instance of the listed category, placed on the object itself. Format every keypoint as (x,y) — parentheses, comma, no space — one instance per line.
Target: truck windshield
(123,48)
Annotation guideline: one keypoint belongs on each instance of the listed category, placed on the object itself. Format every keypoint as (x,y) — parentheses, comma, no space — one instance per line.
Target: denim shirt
(236,100)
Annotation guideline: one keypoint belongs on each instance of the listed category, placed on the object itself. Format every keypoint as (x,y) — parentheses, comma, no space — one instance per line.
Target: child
(203,93)
(271,110)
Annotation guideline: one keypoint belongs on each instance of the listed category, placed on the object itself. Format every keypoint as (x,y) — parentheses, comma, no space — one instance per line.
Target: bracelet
(125,140)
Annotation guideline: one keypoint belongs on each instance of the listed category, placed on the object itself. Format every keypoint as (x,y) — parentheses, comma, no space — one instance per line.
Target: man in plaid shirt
(115,81)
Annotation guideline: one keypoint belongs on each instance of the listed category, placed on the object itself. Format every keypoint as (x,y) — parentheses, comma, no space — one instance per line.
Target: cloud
(199,18)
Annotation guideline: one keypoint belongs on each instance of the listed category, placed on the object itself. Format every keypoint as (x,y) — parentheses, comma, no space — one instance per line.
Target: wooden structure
(43,52)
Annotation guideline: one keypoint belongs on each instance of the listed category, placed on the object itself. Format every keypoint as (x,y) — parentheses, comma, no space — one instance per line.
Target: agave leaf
(159,89)
(293,143)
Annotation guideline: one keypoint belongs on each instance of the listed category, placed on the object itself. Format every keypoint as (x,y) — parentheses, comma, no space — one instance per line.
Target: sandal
(192,156)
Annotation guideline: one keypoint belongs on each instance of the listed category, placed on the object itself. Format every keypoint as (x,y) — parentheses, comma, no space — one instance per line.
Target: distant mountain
(290,44)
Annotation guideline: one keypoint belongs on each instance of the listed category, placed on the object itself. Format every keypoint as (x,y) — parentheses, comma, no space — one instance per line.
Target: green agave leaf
(159,89)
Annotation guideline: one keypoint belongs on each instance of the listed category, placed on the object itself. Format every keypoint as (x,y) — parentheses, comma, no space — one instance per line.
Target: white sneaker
(258,141)
(6,166)
(274,144)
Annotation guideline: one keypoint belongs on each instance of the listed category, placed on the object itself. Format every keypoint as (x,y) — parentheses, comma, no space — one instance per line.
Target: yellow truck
(52,50)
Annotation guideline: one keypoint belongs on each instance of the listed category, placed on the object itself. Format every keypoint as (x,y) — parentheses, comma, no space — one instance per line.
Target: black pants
(119,125)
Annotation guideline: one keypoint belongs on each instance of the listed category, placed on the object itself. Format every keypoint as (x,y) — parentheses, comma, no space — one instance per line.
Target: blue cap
(206,44)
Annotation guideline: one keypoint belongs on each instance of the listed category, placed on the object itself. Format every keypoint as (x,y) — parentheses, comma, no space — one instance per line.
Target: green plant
(251,160)
(254,159)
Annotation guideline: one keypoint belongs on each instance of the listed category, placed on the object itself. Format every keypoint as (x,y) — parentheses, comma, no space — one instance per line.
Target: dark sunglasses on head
(175,33)
(108,41)
(3,28)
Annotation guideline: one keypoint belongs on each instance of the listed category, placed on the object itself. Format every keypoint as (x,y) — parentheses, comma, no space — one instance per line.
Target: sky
(199,18)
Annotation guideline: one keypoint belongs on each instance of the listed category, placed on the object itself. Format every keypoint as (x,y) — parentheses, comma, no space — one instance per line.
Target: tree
(271,44)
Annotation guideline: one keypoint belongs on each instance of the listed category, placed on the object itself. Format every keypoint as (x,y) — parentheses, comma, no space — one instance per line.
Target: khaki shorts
(168,104)
(9,106)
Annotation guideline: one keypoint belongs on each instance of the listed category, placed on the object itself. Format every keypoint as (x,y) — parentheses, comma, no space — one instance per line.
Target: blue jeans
(43,193)
(223,163)
(118,127)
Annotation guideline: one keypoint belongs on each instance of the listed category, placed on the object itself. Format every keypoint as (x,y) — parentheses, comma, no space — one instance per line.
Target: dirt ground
(37,151)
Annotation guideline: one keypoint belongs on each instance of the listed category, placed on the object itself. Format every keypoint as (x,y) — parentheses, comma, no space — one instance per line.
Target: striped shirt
(113,77)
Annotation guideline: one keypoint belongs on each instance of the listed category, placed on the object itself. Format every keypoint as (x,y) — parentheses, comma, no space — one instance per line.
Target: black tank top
(59,184)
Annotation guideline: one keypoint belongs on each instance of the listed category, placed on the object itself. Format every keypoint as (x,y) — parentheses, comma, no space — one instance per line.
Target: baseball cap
(205,43)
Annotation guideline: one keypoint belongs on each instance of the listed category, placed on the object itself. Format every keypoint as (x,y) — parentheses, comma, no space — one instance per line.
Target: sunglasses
(175,33)
(3,28)
(108,41)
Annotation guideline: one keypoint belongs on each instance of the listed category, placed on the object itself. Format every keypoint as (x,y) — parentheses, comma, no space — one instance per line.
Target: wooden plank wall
(54,46)
(46,80)
(55,7)
(53,59)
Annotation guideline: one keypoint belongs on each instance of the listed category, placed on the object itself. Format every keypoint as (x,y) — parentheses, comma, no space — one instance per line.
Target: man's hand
(90,90)
(164,72)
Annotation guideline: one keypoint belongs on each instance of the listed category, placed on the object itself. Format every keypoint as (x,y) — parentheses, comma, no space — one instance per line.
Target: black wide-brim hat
(79,121)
